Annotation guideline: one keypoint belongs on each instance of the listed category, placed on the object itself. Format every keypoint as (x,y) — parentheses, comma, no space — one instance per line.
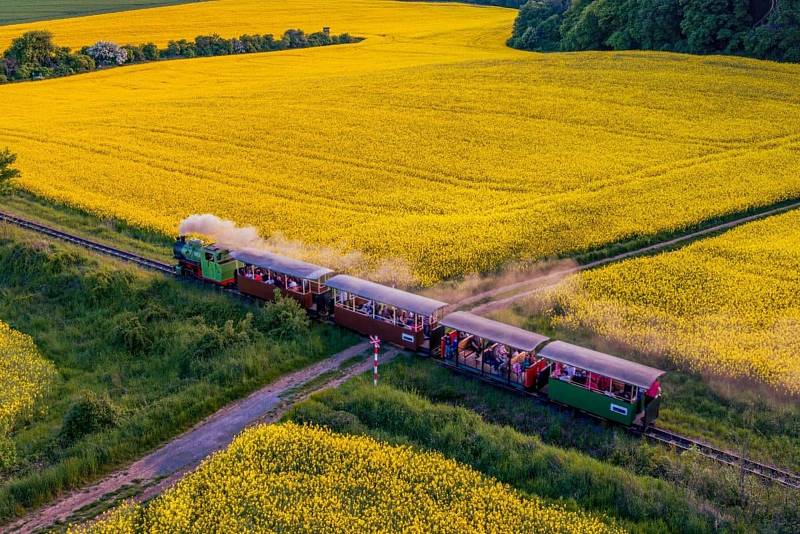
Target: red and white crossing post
(376,348)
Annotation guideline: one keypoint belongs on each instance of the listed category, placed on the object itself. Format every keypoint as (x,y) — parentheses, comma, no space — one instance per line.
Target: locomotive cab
(205,262)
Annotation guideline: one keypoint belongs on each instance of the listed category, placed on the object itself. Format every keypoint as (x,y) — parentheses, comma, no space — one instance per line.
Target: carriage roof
(281,264)
(386,295)
(601,363)
(494,331)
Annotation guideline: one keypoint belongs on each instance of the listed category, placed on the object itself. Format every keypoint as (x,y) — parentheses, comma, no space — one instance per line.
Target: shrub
(283,318)
(107,53)
(88,415)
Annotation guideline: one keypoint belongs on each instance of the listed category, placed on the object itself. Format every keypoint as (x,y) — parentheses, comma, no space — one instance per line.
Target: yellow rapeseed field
(430,141)
(24,376)
(728,305)
(289,478)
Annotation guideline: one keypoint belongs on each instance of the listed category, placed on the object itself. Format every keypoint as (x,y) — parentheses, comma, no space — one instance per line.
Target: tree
(537,26)
(31,54)
(34,47)
(150,51)
(107,53)
(7,172)
(713,26)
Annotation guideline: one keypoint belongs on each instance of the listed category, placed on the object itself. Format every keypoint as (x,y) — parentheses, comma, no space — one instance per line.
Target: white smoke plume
(226,233)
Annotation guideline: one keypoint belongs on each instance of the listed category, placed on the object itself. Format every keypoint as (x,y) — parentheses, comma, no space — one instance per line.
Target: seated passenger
(292,284)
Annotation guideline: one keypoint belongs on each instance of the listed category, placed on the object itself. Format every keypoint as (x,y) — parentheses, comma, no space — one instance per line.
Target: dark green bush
(88,415)
(283,319)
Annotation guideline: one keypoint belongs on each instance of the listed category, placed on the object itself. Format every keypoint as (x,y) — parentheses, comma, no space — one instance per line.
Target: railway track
(764,471)
(88,244)
(677,441)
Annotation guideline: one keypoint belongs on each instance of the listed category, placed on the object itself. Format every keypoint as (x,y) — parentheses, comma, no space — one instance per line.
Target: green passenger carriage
(596,383)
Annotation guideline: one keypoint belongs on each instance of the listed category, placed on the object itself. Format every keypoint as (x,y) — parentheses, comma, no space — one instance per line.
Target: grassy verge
(160,353)
(83,224)
(16,11)
(551,453)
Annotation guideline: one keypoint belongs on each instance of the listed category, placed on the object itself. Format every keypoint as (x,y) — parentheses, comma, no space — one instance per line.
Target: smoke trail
(222,231)
(395,272)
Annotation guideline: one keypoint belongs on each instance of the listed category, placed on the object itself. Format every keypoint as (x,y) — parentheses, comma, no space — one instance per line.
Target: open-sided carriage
(263,273)
(594,382)
(398,317)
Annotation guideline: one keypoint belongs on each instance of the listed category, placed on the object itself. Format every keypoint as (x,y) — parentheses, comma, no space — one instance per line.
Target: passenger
(292,284)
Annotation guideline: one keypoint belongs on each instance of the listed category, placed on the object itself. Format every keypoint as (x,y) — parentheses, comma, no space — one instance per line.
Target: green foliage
(7,171)
(283,319)
(130,336)
(89,414)
(695,26)
(34,56)
(8,452)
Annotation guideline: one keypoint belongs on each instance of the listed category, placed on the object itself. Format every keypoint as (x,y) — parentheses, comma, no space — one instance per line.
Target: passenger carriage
(396,316)
(594,382)
(263,274)
(601,384)
(494,350)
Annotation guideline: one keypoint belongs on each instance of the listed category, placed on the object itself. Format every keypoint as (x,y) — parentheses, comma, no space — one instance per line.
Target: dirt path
(168,463)
(476,303)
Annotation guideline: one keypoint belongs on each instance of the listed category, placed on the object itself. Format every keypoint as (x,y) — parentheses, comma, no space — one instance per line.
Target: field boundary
(486,301)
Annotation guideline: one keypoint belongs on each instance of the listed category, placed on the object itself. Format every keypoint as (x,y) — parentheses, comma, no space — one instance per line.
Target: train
(599,384)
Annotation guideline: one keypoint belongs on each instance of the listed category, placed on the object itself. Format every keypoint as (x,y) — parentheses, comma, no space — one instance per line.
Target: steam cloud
(226,233)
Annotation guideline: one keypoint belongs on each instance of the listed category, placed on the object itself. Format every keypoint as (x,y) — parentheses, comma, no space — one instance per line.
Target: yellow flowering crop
(24,376)
(728,304)
(430,141)
(290,478)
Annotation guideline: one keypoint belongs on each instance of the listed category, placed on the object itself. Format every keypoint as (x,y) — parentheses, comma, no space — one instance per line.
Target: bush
(88,415)
(283,319)
(150,52)
(129,330)
(107,53)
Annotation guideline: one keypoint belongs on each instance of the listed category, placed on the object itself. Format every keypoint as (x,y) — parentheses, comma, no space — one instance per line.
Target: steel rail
(87,243)
(678,441)
(769,472)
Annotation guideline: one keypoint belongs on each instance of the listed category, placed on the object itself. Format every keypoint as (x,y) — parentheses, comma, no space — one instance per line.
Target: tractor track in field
(160,469)
(502,296)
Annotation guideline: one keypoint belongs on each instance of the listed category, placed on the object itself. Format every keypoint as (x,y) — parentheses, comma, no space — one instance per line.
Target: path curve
(185,452)
(539,282)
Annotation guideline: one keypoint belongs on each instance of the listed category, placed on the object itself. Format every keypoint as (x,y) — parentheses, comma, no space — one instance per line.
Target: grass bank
(155,354)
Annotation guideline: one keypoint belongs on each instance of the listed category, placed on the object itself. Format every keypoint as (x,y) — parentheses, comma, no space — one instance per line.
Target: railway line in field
(671,439)
(774,474)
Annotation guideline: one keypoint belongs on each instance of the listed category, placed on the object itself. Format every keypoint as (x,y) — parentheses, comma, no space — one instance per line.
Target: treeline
(764,29)
(34,56)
